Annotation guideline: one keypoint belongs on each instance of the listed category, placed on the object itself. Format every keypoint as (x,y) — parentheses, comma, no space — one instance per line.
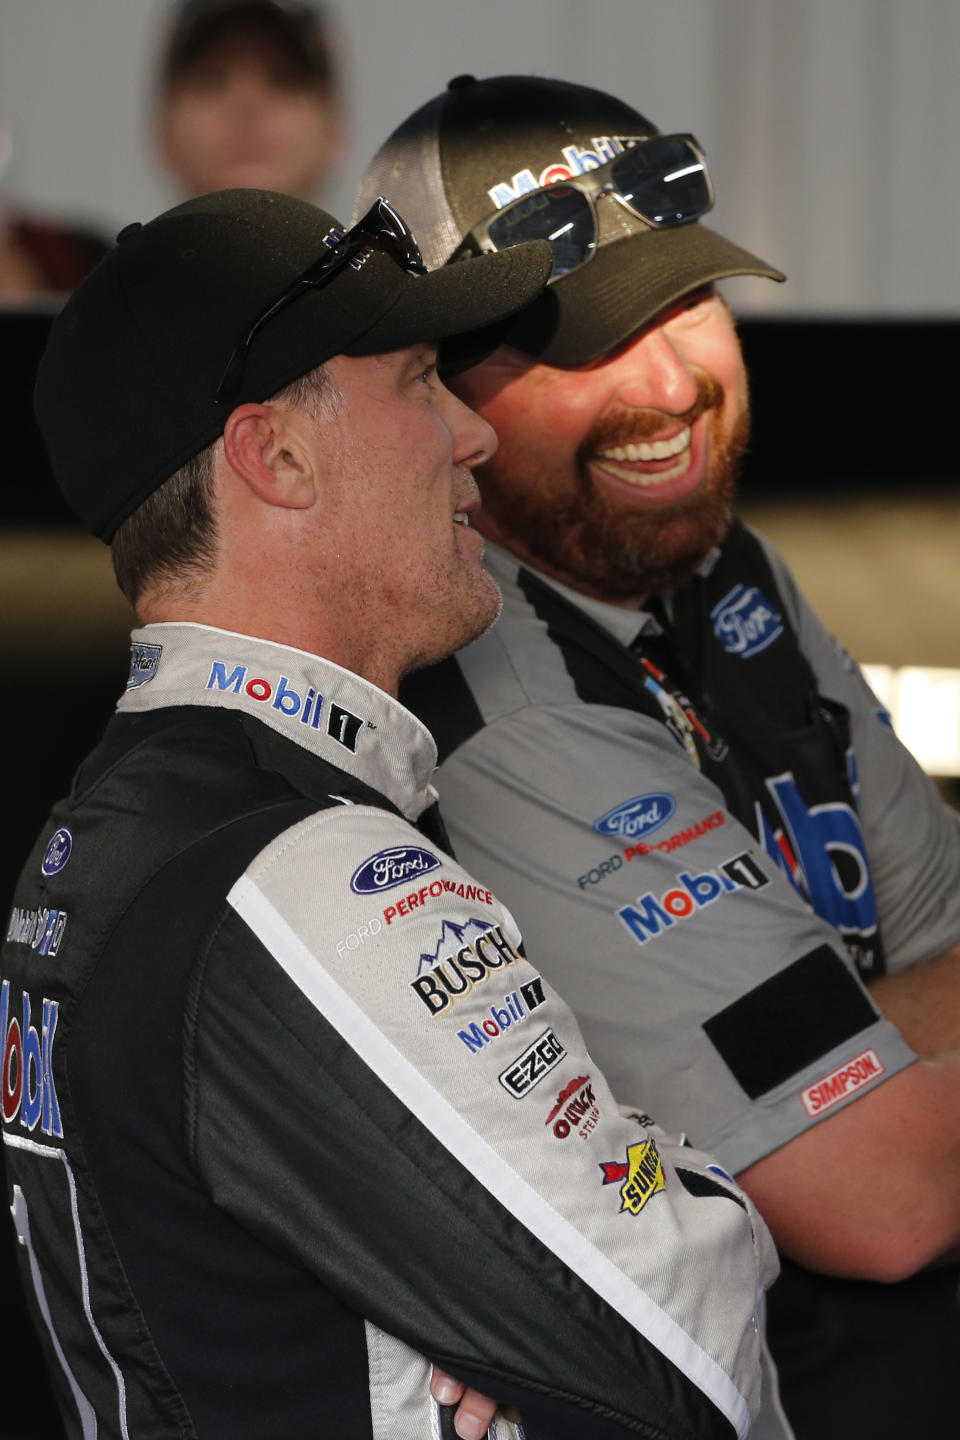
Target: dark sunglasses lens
(559,214)
(664,180)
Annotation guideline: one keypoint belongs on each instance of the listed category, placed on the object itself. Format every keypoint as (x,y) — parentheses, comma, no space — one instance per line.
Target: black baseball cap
(126,390)
(481,143)
(199,26)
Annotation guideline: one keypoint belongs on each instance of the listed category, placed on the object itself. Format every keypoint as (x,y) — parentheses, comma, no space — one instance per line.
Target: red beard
(610,550)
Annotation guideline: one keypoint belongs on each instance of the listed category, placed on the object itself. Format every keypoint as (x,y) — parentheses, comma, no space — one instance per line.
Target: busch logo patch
(650,914)
(529,1069)
(144,660)
(641,1177)
(27,1091)
(57,852)
(745,622)
(861,1070)
(637,817)
(459,971)
(392,867)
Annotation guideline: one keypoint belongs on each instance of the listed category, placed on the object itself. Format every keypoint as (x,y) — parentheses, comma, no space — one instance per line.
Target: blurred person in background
(248,97)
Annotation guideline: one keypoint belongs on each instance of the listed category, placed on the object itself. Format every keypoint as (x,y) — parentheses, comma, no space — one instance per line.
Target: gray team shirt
(663,936)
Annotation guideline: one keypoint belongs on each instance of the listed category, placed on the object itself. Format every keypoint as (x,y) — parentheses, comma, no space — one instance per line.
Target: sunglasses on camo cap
(662,180)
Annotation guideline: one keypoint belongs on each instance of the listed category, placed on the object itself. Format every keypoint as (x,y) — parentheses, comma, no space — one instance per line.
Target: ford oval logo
(636,817)
(745,622)
(392,867)
(57,852)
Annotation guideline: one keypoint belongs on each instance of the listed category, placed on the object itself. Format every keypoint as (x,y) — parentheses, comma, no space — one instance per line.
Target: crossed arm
(900,1141)
(924,1004)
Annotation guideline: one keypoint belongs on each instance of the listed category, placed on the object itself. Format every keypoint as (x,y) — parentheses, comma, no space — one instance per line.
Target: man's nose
(474,440)
(656,375)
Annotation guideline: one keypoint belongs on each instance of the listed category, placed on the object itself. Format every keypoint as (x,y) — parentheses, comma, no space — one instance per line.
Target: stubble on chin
(475,608)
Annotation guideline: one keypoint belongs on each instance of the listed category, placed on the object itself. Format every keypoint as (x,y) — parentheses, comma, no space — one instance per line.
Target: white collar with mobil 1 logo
(319,705)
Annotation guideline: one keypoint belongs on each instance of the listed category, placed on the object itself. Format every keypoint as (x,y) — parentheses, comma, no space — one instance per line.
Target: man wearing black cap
(668,767)
(248,95)
(286,1107)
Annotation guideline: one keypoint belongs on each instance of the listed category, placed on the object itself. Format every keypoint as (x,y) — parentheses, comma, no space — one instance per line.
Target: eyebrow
(423,353)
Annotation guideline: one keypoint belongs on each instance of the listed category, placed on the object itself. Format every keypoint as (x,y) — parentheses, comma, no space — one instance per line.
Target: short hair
(172,535)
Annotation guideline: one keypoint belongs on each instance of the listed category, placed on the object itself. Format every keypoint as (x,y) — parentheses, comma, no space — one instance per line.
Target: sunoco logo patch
(640,1178)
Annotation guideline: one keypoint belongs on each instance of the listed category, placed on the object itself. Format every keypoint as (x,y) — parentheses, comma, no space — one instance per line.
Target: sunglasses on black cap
(381,228)
(663,180)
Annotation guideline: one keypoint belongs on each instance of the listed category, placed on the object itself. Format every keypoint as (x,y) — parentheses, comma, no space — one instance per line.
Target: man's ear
(269,456)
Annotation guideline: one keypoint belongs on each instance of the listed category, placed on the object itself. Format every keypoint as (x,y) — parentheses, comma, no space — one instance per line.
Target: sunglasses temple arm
(232,375)
(230,379)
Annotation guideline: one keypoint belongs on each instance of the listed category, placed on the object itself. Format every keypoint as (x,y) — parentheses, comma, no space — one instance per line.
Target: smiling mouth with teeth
(646,452)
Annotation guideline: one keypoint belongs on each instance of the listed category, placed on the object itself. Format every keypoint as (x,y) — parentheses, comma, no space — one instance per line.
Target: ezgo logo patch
(528,1069)
(650,914)
(745,622)
(639,816)
(642,1176)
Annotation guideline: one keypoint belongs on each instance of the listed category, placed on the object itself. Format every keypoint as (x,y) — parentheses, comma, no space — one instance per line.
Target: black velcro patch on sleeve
(790,1020)
(701,1185)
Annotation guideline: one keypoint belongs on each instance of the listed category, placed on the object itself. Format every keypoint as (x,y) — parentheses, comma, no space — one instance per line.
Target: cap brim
(598,306)
(464,307)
